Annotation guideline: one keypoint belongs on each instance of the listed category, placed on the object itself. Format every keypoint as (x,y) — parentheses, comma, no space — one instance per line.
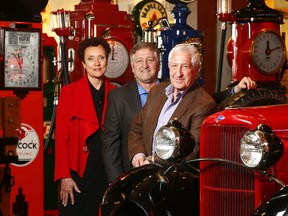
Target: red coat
(76,120)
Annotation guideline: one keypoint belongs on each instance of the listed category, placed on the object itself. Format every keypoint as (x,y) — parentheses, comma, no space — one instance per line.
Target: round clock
(118,60)
(268,52)
(21,59)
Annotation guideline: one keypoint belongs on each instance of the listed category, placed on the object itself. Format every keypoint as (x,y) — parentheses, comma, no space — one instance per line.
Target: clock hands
(112,52)
(18,60)
(268,51)
(267,43)
(118,59)
(271,50)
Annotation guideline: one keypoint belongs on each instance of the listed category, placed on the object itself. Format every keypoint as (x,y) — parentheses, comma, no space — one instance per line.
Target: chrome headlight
(173,142)
(260,148)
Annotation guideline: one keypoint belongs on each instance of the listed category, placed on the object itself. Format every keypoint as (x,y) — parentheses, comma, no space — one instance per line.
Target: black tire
(255,97)
(221,96)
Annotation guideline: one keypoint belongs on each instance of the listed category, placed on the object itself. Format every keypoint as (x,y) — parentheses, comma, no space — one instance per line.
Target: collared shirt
(143,93)
(168,108)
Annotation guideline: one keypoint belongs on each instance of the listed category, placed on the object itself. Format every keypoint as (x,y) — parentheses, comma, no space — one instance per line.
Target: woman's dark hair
(94,41)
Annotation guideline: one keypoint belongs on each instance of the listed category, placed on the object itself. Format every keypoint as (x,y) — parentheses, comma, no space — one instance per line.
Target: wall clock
(21,60)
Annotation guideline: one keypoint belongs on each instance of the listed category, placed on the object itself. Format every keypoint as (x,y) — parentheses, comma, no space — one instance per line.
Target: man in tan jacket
(182,99)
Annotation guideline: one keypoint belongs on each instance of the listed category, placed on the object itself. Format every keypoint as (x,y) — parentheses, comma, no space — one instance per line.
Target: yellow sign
(145,11)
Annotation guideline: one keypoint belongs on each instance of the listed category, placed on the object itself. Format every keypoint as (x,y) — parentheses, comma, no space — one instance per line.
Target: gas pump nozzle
(57,86)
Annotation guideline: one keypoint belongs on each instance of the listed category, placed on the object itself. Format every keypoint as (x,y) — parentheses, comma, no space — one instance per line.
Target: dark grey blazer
(123,104)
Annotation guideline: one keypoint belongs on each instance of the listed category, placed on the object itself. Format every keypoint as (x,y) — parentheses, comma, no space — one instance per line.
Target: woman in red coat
(79,123)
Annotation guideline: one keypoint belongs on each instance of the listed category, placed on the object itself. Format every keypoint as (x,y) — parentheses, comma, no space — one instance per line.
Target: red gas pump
(100,18)
(21,97)
(21,80)
(257,50)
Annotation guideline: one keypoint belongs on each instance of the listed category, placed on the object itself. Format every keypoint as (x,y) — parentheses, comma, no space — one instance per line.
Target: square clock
(21,60)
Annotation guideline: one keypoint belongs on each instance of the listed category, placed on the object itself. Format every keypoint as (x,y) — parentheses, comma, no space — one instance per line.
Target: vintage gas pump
(21,58)
(256,49)
(177,33)
(61,26)
(103,19)
(224,13)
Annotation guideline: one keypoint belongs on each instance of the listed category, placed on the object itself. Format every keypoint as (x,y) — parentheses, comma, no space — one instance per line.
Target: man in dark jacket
(124,103)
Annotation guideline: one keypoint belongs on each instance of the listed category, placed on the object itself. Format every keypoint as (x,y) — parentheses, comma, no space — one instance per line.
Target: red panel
(227,189)
(29,177)
(27,195)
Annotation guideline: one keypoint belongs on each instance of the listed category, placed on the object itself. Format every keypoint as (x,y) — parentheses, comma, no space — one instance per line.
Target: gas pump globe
(61,22)
(224,10)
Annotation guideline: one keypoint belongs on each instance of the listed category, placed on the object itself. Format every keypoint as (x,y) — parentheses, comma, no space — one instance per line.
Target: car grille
(226,189)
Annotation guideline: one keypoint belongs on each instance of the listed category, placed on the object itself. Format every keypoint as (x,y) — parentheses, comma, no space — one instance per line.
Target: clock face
(268,52)
(21,59)
(118,60)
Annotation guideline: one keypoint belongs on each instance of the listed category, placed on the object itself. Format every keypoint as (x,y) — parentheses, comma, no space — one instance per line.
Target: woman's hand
(67,186)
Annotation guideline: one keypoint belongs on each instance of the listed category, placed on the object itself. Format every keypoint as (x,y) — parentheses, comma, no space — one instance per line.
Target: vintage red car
(230,190)
(243,169)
